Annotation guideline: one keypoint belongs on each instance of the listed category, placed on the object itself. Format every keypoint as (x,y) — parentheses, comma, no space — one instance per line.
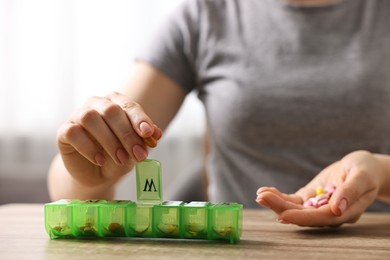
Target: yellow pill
(320,190)
(150,141)
(167,228)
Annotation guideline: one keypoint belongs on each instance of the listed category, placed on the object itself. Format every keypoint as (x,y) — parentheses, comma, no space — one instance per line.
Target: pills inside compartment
(111,219)
(148,217)
(116,229)
(61,230)
(88,230)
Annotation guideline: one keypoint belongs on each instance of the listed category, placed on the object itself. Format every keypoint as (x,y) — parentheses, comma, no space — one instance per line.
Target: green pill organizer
(149,217)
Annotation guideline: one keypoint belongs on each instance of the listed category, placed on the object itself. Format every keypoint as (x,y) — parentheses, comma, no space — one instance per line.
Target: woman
(292,90)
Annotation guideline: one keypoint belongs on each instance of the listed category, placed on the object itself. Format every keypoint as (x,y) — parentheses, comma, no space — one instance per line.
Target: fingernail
(145,128)
(100,160)
(260,190)
(139,153)
(263,203)
(343,206)
(122,155)
(282,221)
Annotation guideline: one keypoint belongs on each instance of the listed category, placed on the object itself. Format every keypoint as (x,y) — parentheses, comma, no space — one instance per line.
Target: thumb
(347,193)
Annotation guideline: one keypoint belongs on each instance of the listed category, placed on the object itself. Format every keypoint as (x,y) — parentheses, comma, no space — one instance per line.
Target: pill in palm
(322,196)
(308,203)
(320,190)
(329,189)
(322,202)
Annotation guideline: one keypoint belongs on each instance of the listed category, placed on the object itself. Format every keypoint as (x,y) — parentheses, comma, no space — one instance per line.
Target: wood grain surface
(23,236)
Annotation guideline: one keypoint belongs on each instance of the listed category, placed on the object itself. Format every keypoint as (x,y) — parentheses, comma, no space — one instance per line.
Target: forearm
(61,185)
(384,188)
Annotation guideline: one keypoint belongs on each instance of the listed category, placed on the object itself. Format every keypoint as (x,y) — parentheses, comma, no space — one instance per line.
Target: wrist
(384,177)
(62,185)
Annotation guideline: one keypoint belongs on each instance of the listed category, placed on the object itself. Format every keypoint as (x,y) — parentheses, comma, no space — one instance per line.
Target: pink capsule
(329,189)
(314,201)
(322,196)
(308,203)
(322,202)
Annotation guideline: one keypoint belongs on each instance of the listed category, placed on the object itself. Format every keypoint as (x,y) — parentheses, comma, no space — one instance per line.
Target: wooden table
(23,237)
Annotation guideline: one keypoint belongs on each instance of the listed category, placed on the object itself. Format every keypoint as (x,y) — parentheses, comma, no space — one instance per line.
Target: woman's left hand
(357,181)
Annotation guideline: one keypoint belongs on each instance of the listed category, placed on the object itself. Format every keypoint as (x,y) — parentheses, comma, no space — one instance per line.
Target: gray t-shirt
(287,90)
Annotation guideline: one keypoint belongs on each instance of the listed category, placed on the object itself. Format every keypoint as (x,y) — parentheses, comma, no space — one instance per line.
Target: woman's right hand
(103,140)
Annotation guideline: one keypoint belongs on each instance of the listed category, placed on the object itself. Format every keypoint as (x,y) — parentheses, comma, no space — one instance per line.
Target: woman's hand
(357,178)
(102,141)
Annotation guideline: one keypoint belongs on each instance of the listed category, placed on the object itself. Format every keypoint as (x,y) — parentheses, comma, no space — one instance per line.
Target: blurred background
(54,54)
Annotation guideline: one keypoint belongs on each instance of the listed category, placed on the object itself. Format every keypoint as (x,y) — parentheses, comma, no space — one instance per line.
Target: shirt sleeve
(172,49)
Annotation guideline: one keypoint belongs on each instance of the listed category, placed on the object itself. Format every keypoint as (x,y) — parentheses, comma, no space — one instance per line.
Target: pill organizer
(149,217)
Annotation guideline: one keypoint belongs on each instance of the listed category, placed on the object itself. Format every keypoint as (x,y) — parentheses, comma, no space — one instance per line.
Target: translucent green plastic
(149,184)
(112,218)
(169,219)
(86,218)
(139,220)
(58,217)
(225,220)
(166,219)
(149,217)
(194,220)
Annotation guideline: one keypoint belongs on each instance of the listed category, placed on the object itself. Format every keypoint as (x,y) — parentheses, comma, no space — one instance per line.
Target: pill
(141,229)
(116,228)
(322,196)
(319,190)
(311,202)
(88,229)
(167,228)
(308,203)
(322,202)
(314,201)
(150,141)
(329,189)
(195,227)
(57,228)
(223,231)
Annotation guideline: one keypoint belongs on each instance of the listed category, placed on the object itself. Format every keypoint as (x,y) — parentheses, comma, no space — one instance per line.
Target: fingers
(311,217)
(355,187)
(289,197)
(73,137)
(140,122)
(290,210)
(115,133)
(324,216)
(104,128)
(100,131)
(273,199)
(294,213)
(322,180)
